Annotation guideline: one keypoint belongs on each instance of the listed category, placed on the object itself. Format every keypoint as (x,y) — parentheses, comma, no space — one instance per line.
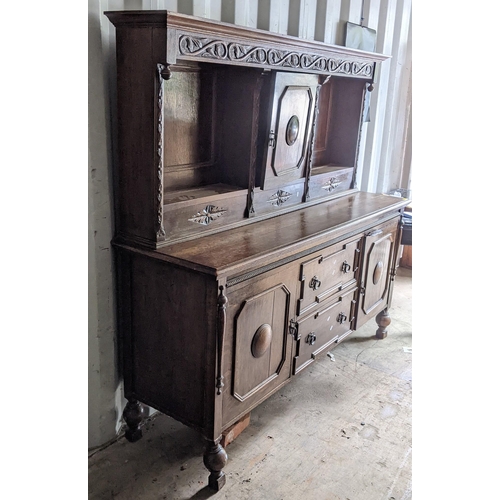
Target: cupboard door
(377,268)
(292,109)
(258,346)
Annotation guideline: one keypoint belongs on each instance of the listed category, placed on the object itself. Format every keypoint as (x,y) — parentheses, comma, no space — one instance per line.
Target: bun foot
(215,458)
(133,415)
(383,321)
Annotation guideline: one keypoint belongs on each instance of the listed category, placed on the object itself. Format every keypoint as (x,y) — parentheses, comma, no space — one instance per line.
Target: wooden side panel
(323,125)
(189,126)
(343,131)
(139,50)
(172,339)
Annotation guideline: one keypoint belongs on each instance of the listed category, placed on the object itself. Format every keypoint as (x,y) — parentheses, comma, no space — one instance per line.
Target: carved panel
(260,343)
(222,50)
(377,265)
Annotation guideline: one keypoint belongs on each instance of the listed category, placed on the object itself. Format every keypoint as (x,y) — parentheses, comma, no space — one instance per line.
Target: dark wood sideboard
(244,248)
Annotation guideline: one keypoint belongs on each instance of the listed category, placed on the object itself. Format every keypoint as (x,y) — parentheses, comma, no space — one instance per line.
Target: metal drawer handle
(315,283)
(311,338)
(341,318)
(346,267)
(375,232)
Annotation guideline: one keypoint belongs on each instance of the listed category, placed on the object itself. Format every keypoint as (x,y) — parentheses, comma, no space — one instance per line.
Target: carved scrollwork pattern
(204,47)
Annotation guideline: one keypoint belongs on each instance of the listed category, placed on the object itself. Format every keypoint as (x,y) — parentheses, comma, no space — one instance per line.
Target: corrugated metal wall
(385,153)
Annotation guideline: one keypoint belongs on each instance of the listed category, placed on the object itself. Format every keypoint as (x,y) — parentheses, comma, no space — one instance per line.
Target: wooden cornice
(204,40)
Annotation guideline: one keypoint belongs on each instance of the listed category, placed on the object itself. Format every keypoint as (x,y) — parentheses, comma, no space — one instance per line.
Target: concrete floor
(340,430)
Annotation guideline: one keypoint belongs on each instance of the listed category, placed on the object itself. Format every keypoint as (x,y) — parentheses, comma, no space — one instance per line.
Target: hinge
(362,288)
(294,329)
(272,139)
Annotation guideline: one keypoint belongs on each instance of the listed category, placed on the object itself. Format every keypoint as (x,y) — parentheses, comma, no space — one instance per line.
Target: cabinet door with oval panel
(261,345)
(290,121)
(379,269)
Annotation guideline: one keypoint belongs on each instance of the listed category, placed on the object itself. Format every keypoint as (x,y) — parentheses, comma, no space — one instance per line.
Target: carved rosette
(278,198)
(207,215)
(222,50)
(331,184)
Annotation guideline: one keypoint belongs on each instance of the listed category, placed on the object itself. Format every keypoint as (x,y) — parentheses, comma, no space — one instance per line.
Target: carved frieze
(223,50)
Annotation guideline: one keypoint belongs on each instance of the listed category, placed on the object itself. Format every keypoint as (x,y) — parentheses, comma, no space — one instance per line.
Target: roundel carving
(261,340)
(377,273)
(292,130)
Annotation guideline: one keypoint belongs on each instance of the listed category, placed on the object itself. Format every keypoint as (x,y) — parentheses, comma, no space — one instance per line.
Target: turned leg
(133,415)
(215,458)
(383,321)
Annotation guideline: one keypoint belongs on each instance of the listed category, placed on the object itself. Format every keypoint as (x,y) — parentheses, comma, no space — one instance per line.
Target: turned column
(215,458)
(133,415)
(383,321)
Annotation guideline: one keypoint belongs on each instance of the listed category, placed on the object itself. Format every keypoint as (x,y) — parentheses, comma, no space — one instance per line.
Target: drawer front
(329,181)
(183,221)
(327,274)
(324,328)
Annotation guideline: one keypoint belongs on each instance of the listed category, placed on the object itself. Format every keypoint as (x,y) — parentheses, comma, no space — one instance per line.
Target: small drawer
(277,199)
(187,217)
(328,273)
(329,326)
(329,180)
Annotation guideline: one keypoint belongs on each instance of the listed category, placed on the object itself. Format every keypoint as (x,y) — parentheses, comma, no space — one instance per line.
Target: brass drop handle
(311,338)
(315,283)
(346,267)
(341,318)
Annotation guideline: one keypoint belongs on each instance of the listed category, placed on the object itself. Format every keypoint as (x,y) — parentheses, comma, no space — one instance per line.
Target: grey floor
(340,430)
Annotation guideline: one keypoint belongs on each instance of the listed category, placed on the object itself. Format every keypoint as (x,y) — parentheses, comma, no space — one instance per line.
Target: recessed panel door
(289,129)
(377,268)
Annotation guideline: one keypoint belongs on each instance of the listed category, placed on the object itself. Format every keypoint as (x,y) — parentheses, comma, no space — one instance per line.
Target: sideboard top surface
(243,249)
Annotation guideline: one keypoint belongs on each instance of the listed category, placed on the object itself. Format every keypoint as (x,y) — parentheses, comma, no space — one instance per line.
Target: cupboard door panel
(289,128)
(258,346)
(378,260)
(261,331)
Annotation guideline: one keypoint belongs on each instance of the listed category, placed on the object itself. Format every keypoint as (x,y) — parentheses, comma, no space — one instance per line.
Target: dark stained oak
(243,248)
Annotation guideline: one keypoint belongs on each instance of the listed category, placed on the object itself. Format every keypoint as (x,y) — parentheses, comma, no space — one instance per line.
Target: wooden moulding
(199,39)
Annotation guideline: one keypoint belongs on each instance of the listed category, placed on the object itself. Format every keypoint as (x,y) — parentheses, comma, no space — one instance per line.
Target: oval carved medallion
(292,130)
(261,340)
(377,273)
